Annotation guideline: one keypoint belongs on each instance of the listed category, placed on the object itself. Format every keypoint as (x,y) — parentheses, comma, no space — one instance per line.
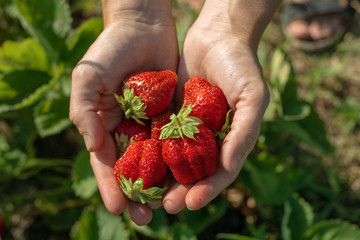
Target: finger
(140,214)
(245,129)
(174,200)
(154,206)
(85,95)
(207,189)
(102,163)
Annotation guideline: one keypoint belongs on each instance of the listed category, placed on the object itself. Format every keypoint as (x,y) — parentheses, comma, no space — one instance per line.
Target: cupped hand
(226,60)
(132,40)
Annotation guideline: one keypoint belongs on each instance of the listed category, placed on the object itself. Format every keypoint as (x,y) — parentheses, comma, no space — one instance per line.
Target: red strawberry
(128,132)
(140,169)
(158,122)
(147,93)
(209,102)
(2,227)
(190,149)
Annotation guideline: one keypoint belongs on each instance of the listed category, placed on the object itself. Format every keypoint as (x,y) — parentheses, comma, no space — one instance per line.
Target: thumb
(84,107)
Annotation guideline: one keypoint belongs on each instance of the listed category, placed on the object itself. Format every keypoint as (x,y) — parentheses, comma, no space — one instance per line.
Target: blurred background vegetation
(302,181)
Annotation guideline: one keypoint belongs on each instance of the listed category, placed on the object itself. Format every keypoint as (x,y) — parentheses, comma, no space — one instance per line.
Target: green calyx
(135,191)
(181,124)
(123,142)
(132,105)
(225,129)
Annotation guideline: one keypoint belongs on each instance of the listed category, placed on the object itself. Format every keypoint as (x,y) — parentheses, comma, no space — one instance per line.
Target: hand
(138,35)
(227,59)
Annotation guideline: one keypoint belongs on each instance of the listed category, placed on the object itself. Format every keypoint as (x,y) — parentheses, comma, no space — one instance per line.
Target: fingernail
(235,164)
(88,141)
(190,209)
(170,207)
(167,204)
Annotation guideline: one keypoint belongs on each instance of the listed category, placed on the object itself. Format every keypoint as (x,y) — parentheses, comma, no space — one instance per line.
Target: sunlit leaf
(52,116)
(298,217)
(281,70)
(98,223)
(27,54)
(333,230)
(21,88)
(48,21)
(84,36)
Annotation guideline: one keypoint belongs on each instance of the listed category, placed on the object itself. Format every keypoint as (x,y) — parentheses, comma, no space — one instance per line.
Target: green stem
(178,122)
(128,112)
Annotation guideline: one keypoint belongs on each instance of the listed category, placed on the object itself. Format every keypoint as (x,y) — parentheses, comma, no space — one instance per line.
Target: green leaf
(27,54)
(52,116)
(86,228)
(85,35)
(21,88)
(333,230)
(296,110)
(281,70)
(84,181)
(98,223)
(48,21)
(348,110)
(258,232)
(12,160)
(62,18)
(34,165)
(181,231)
(283,88)
(199,220)
(269,182)
(315,127)
(158,228)
(298,217)
(110,226)
(229,236)
(310,130)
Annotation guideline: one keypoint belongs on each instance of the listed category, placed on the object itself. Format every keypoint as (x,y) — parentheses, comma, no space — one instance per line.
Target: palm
(225,62)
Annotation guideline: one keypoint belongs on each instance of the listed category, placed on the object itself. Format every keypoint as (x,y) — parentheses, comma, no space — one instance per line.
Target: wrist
(242,18)
(145,11)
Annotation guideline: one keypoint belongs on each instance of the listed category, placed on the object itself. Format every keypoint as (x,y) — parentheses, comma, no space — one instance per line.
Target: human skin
(140,34)
(221,46)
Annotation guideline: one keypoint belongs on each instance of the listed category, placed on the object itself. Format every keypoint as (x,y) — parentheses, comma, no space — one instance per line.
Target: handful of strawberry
(184,143)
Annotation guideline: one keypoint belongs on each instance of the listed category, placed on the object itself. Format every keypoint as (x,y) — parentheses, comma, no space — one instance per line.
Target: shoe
(314,8)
